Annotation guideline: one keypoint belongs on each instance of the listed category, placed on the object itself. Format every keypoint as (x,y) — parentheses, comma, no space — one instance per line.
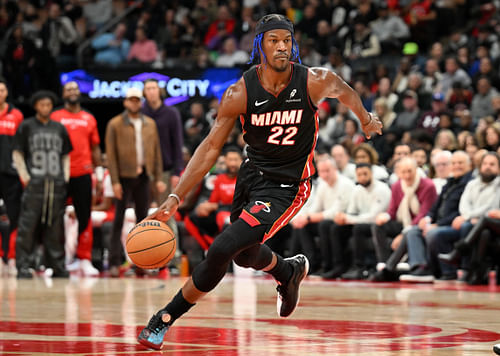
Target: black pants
(361,244)
(80,191)
(382,235)
(10,191)
(138,190)
(334,241)
(42,219)
(309,247)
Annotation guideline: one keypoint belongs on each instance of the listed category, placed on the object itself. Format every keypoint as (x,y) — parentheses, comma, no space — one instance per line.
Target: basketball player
(41,156)
(82,129)
(10,185)
(276,102)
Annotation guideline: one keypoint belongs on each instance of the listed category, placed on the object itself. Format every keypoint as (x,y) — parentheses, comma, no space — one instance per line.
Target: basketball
(151,244)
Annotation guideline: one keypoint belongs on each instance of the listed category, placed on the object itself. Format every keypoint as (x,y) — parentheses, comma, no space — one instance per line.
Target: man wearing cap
(276,102)
(134,159)
(430,120)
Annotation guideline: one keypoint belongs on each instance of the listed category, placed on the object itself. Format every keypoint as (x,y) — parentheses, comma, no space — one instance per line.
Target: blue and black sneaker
(152,335)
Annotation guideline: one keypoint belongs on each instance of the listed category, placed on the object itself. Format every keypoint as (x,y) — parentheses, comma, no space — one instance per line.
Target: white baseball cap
(133,93)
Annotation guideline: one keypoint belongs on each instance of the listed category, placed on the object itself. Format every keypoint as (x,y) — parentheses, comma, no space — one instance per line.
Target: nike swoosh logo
(260,103)
(286,185)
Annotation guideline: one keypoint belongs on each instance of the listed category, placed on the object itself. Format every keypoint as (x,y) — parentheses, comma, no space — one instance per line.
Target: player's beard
(281,68)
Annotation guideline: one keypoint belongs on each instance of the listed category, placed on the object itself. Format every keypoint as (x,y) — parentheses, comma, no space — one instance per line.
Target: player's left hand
(372,126)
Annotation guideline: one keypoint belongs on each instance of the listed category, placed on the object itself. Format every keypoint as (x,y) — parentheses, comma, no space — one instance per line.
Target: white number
(46,162)
(278,131)
(291,131)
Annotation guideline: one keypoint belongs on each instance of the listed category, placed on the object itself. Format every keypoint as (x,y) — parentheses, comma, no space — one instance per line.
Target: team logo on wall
(260,206)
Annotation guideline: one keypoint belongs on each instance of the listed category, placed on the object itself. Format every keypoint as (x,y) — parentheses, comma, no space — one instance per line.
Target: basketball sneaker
(288,293)
(496,349)
(87,269)
(152,335)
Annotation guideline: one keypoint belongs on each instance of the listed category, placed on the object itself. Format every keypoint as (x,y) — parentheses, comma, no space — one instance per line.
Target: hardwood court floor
(103,317)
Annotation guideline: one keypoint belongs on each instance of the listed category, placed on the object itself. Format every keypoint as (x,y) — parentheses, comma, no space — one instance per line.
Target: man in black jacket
(442,213)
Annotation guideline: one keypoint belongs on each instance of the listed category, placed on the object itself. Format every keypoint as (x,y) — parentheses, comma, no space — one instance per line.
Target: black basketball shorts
(259,200)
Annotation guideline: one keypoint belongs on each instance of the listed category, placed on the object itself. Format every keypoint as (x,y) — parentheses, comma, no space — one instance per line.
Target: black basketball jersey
(280,130)
(43,146)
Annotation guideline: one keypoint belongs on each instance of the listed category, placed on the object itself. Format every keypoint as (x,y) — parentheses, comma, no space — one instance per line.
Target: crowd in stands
(429,69)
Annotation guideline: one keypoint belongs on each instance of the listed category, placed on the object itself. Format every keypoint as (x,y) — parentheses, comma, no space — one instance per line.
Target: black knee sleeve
(236,238)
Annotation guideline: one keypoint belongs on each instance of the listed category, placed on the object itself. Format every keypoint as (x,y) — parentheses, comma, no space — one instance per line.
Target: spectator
(492,137)
(231,56)
(365,153)
(19,63)
(400,82)
(442,166)
(341,156)
(196,127)
(130,166)
(224,22)
(390,29)
(478,197)
(324,40)
(143,49)
(329,129)
(308,53)
(384,144)
(407,119)
(442,212)
(459,95)
(60,36)
(481,101)
(97,13)
(486,69)
(430,121)
(411,199)
(40,154)
(361,215)
(384,91)
(112,48)
(168,121)
(331,198)
(211,216)
(307,26)
(432,75)
(421,18)
(10,185)
(453,73)
(446,140)
(86,154)
(362,42)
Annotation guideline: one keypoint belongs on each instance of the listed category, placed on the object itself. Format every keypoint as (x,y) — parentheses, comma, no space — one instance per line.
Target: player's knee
(244,260)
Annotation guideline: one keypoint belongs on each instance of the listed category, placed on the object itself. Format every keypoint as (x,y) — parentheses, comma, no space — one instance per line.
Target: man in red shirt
(210,217)
(82,130)
(10,185)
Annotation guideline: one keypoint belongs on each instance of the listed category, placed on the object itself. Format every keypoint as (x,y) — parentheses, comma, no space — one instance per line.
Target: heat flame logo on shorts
(260,206)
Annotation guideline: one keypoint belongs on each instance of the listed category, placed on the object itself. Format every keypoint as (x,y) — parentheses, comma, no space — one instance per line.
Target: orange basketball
(151,244)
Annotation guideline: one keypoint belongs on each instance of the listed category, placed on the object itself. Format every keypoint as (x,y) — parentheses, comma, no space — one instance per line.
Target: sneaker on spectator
(403,266)
(87,269)
(447,277)
(73,266)
(11,268)
(355,273)
(419,275)
(380,266)
(385,275)
(114,272)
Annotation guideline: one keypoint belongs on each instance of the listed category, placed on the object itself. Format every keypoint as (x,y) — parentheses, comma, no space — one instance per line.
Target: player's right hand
(165,211)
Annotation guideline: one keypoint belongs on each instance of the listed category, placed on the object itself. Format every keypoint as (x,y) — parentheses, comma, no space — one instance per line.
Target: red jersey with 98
(83,133)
